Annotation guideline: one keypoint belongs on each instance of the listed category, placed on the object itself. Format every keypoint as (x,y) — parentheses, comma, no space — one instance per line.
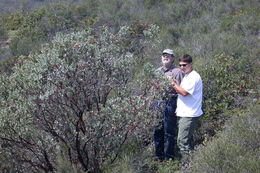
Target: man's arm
(179,89)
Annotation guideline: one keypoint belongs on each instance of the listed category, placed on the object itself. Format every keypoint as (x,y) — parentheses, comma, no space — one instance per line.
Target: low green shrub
(40,25)
(4,54)
(27,40)
(3,32)
(13,21)
(7,62)
(236,149)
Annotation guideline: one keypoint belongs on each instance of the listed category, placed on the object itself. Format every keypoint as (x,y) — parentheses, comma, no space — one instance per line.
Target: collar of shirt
(167,69)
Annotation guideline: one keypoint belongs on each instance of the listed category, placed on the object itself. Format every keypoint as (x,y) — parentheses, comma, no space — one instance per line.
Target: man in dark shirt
(165,132)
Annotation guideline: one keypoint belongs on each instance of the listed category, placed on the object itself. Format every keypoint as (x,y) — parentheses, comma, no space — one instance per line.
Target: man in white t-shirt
(189,105)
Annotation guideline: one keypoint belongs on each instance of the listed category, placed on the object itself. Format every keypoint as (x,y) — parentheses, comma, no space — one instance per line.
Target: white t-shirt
(190,105)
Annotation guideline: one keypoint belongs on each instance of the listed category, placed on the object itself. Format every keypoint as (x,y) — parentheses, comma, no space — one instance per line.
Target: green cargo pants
(186,128)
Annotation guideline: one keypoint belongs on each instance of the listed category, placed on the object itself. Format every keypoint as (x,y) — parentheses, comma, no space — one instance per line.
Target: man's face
(185,67)
(167,59)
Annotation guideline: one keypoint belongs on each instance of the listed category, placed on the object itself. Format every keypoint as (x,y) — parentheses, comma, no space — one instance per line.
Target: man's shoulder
(159,68)
(176,70)
(172,70)
(195,75)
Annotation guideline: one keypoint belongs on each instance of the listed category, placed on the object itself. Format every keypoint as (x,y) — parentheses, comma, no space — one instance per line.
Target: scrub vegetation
(75,90)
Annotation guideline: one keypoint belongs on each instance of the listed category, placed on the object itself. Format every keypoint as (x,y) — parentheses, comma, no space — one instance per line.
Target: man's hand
(174,83)
(178,89)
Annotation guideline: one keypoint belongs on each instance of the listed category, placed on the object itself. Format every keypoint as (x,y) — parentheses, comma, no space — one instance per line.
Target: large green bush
(77,99)
(227,81)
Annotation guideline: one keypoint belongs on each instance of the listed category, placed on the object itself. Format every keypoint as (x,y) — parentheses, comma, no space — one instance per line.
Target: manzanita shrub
(77,98)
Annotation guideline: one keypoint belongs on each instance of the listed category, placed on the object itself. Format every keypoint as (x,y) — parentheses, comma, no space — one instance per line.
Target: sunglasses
(183,65)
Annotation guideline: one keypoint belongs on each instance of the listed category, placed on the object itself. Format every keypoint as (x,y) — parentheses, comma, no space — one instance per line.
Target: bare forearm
(181,91)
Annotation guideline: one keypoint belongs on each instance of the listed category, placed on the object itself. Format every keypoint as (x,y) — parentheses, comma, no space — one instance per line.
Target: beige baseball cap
(168,51)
